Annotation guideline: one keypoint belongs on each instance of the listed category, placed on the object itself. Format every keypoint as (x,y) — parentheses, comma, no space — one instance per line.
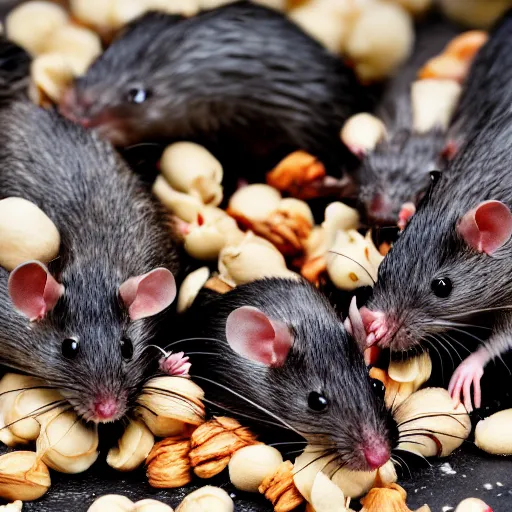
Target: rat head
(307,375)
(91,348)
(396,174)
(129,90)
(447,266)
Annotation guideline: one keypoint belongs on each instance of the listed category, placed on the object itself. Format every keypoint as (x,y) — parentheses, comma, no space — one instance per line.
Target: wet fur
(240,76)
(110,230)
(323,359)
(430,247)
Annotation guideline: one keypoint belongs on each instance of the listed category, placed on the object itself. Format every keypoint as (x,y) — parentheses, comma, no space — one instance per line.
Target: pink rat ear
(33,290)
(487,227)
(253,335)
(148,294)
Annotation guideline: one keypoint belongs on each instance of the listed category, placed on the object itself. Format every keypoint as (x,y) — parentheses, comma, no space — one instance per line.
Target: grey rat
(395,174)
(242,79)
(275,351)
(454,260)
(82,323)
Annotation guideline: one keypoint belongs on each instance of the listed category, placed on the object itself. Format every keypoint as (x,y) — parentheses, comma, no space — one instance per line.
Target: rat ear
(487,227)
(33,290)
(253,335)
(148,294)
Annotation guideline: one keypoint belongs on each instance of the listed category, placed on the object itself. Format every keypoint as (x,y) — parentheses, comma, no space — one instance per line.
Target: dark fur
(241,78)
(398,169)
(110,230)
(323,359)
(430,247)
(14,69)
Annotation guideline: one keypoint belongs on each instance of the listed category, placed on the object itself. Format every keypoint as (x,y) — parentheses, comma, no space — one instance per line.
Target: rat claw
(370,339)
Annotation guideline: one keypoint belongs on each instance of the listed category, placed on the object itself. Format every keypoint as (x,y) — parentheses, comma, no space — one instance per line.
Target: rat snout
(380,210)
(107,409)
(75,108)
(376,450)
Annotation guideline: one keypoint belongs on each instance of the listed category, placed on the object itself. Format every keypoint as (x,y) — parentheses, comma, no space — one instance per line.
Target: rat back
(241,79)
(395,173)
(276,352)
(89,342)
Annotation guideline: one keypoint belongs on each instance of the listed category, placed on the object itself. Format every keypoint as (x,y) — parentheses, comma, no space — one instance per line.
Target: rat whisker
(439,354)
(406,465)
(327,453)
(250,402)
(40,410)
(434,415)
(458,342)
(190,339)
(476,311)
(447,323)
(287,443)
(425,432)
(28,388)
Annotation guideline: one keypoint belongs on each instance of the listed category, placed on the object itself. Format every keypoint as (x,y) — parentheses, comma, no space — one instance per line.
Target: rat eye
(317,402)
(126,349)
(378,388)
(70,348)
(434,177)
(138,95)
(441,287)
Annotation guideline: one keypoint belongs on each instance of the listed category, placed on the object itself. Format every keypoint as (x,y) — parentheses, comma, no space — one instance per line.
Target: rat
(275,351)
(83,322)
(395,174)
(241,79)
(453,261)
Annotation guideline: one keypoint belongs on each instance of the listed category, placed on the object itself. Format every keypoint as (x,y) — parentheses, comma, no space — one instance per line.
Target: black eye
(378,388)
(434,177)
(138,95)
(126,349)
(70,348)
(317,402)
(441,287)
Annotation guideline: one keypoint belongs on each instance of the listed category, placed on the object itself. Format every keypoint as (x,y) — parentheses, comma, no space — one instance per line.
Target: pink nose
(105,408)
(376,455)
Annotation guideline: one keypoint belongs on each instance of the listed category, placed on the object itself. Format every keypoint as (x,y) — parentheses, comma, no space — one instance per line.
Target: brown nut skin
(214,442)
(280,490)
(168,463)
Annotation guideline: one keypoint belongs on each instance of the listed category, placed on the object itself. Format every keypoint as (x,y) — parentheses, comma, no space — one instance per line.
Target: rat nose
(105,409)
(376,454)
(380,210)
(74,108)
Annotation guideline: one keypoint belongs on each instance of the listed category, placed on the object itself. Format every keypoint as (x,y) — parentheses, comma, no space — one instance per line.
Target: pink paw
(407,211)
(468,374)
(375,325)
(175,364)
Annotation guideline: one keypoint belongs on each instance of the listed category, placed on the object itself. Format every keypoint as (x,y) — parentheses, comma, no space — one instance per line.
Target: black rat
(275,351)
(82,323)
(241,79)
(394,175)
(454,260)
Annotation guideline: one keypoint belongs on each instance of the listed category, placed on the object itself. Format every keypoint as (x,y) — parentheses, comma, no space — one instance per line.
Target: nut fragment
(410,369)
(326,496)
(250,465)
(170,404)
(168,463)
(432,424)
(213,444)
(387,499)
(190,287)
(15,506)
(112,503)
(433,103)
(134,446)
(66,444)
(362,132)
(151,506)
(26,233)
(79,45)
(32,23)
(280,489)
(473,505)
(254,258)
(308,464)
(23,476)
(190,168)
(493,434)
(295,173)
(207,499)
(255,202)
(51,74)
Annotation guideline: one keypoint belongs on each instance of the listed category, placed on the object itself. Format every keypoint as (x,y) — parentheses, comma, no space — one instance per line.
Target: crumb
(447,469)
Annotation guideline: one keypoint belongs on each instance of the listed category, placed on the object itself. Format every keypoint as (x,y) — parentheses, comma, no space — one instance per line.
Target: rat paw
(175,364)
(468,374)
(407,211)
